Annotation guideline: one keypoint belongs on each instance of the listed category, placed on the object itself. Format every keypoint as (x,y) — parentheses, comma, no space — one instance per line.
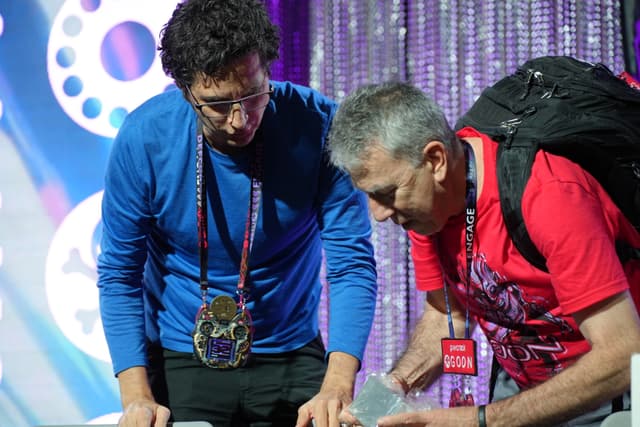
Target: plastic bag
(380,396)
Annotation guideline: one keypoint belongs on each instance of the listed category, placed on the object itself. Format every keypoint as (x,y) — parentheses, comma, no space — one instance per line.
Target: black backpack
(571,108)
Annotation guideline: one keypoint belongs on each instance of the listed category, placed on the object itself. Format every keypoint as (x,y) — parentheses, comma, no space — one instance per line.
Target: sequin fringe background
(451,49)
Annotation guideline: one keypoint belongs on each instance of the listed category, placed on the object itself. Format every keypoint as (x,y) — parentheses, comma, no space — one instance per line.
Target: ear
(434,156)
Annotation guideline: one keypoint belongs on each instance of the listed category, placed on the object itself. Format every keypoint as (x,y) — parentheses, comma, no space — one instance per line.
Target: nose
(237,116)
(379,211)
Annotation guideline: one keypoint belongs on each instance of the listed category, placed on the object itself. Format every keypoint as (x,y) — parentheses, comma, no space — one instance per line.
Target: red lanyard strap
(250,226)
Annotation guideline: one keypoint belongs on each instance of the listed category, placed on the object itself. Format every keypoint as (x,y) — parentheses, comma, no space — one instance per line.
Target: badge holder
(459,358)
(222,335)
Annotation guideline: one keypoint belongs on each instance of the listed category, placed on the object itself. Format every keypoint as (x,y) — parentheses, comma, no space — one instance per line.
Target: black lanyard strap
(469,235)
(250,226)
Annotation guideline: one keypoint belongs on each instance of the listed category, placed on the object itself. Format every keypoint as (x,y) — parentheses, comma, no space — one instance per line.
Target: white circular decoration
(71,277)
(84,83)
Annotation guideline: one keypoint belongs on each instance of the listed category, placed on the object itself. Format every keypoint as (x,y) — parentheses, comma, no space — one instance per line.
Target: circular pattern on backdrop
(102,59)
(70,278)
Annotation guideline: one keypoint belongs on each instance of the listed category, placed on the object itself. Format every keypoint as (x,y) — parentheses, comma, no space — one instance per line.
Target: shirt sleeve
(571,220)
(350,264)
(125,222)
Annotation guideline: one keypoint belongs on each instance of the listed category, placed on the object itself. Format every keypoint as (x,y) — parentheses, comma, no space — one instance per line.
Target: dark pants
(504,387)
(266,392)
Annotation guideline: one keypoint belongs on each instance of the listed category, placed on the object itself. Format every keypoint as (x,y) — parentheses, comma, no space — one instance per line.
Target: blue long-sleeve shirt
(149,264)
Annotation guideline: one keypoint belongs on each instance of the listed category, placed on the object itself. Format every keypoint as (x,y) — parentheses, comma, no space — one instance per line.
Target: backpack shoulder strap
(514,164)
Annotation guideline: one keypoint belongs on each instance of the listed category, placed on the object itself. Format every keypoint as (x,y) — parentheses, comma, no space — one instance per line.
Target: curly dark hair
(206,36)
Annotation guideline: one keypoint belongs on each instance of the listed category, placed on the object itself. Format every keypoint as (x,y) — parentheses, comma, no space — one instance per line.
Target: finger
(304,416)
(347,417)
(334,407)
(405,419)
(162,416)
(320,415)
(135,415)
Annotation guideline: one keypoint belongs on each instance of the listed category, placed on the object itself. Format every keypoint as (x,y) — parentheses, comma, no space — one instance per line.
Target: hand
(326,408)
(347,418)
(464,416)
(144,413)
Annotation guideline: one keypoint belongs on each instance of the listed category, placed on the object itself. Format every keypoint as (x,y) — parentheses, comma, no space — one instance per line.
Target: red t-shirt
(525,312)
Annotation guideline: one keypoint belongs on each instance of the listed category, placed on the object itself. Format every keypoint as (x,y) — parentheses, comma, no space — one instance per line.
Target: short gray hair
(396,115)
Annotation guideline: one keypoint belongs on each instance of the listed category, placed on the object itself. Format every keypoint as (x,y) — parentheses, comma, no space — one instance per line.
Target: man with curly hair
(218,208)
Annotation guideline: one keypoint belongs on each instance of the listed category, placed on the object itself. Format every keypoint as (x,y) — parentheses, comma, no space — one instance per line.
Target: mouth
(243,133)
(241,137)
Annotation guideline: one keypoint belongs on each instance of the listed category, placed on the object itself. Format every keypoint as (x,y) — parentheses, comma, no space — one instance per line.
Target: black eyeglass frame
(230,103)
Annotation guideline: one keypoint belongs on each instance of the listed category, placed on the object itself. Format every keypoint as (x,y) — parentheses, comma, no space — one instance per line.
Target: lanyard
(250,226)
(469,233)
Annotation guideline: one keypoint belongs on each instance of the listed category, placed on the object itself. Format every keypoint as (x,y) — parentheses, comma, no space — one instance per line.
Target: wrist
(482,416)
(134,386)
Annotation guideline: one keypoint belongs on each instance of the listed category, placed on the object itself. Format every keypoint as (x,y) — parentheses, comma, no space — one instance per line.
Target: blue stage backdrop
(70,71)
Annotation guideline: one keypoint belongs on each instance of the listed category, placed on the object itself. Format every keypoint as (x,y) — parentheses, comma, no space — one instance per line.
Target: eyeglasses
(219,111)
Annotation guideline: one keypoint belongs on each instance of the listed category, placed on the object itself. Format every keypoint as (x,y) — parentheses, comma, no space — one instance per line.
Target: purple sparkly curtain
(452,49)
(292,17)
